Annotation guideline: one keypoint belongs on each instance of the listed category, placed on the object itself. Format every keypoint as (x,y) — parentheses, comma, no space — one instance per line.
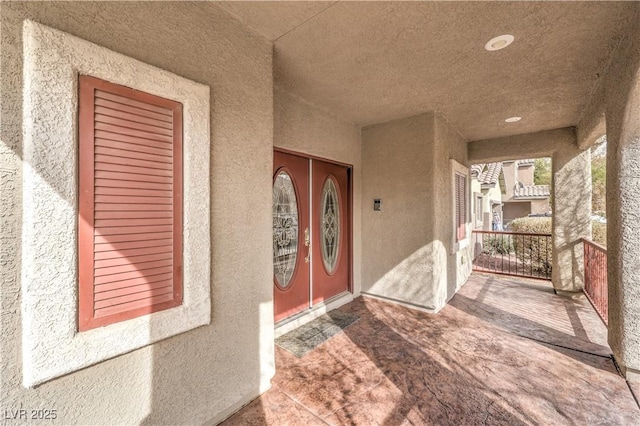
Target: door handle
(307,242)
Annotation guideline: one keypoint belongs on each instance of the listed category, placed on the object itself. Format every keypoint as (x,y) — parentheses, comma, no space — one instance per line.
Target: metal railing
(595,278)
(517,254)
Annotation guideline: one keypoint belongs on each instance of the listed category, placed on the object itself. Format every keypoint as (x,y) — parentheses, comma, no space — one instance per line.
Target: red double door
(311,232)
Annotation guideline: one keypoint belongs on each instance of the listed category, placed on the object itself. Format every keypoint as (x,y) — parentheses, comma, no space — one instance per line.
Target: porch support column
(623,204)
(571,221)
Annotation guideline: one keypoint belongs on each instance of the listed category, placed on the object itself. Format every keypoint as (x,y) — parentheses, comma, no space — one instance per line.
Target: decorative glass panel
(330,225)
(285,229)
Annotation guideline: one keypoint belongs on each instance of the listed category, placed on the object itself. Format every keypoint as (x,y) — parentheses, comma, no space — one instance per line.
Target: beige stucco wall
(623,201)
(527,145)
(493,196)
(515,210)
(197,376)
(398,241)
(301,127)
(540,206)
(525,174)
(571,220)
(449,145)
(510,178)
(407,251)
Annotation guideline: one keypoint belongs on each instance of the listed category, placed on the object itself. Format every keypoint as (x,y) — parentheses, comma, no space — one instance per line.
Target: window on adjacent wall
(130,203)
(479,217)
(461,205)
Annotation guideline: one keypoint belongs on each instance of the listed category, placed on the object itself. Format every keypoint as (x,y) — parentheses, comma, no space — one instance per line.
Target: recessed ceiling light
(499,42)
(513,119)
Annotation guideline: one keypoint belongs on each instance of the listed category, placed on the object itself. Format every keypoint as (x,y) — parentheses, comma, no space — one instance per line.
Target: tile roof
(490,174)
(476,169)
(527,162)
(531,191)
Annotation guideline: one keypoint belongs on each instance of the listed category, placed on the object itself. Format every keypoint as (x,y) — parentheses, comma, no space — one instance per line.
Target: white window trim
(479,221)
(456,246)
(51,345)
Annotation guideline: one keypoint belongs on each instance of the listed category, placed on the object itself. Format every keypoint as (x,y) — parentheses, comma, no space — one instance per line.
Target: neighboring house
(507,189)
(486,194)
(521,196)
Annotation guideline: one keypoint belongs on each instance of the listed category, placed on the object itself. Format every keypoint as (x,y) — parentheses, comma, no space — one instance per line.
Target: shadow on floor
(468,364)
(535,312)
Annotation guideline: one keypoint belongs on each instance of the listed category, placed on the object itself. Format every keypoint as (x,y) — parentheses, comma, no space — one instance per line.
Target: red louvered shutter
(130,203)
(461,206)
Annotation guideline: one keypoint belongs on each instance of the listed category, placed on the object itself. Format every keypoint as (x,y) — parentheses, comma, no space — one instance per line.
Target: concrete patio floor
(503,351)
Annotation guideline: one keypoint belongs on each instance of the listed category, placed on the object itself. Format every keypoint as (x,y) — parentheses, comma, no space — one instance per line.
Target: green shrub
(533,250)
(500,244)
(599,233)
(537,225)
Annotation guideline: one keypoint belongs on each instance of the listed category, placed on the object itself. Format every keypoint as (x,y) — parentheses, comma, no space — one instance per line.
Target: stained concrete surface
(503,351)
(309,336)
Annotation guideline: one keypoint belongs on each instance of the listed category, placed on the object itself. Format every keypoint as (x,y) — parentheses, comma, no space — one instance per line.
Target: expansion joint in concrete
(569,348)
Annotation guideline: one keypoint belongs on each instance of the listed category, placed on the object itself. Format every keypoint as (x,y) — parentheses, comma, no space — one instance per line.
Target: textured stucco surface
(528,145)
(371,62)
(592,124)
(450,150)
(571,220)
(511,211)
(407,247)
(299,126)
(201,375)
(398,241)
(51,346)
(510,174)
(274,19)
(542,206)
(623,201)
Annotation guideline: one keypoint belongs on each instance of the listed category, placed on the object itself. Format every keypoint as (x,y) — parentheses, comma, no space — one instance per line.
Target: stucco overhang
(371,62)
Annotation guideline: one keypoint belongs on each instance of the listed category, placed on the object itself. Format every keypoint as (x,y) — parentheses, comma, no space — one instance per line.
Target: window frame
(51,344)
(478,200)
(458,243)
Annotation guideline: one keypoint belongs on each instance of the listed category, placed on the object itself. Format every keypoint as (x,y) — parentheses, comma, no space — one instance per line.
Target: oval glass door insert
(330,225)
(285,229)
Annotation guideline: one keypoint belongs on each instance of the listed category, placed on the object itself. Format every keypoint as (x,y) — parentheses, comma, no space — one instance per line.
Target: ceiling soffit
(370,62)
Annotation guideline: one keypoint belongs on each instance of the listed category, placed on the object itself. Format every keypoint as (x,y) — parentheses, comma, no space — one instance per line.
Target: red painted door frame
(322,284)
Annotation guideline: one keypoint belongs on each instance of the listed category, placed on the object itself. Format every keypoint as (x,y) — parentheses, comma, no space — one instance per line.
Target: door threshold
(301,318)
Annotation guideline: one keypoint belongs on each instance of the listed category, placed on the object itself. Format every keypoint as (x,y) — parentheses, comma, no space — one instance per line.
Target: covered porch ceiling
(371,62)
